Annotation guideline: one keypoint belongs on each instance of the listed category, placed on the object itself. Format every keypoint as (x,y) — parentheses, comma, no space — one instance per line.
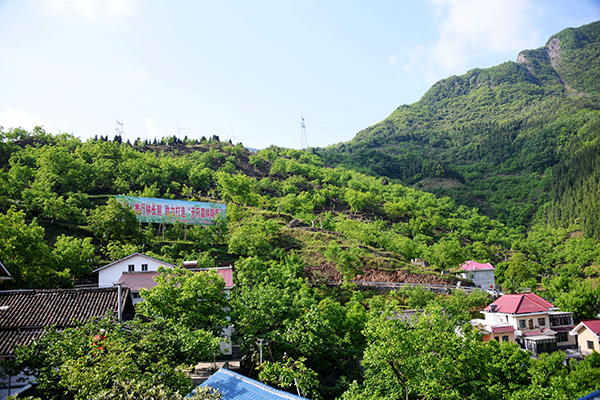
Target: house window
(561,319)
(542,321)
(590,345)
(131,267)
(522,324)
(505,338)
(497,338)
(562,337)
(144,267)
(531,324)
(135,295)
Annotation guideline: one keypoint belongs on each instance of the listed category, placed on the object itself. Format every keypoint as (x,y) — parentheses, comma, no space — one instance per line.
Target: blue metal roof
(592,396)
(234,386)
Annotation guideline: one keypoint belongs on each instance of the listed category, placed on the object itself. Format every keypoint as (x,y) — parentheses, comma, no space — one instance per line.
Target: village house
(25,313)
(538,325)
(110,274)
(588,334)
(482,275)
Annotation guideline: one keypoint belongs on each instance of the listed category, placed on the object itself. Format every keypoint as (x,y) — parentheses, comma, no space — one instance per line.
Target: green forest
(497,165)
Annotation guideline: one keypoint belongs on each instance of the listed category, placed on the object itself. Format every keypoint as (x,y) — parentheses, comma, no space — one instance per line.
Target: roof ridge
(57,290)
(522,296)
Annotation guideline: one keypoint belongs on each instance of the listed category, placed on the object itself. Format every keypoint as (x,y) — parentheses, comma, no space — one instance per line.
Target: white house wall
(481,278)
(110,275)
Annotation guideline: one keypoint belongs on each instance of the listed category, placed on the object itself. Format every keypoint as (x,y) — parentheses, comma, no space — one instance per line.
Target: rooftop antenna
(119,130)
(303,140)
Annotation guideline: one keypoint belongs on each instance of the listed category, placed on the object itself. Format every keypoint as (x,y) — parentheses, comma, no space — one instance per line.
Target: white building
(539,326)
(110,274)
(482,275)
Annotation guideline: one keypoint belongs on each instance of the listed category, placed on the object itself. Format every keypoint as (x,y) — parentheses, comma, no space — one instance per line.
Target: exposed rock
(327,272)
(554,51)
(296,223)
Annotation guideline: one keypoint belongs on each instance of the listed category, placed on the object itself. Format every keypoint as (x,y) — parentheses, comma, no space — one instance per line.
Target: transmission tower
(119,129)
(303,140)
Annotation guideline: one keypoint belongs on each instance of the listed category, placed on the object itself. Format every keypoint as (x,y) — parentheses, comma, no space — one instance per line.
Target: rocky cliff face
(554,51)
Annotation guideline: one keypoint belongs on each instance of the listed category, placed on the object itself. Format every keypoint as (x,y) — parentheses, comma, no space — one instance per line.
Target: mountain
(517,140)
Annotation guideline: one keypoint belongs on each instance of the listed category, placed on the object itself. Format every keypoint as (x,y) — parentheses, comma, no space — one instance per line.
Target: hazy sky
(248,70)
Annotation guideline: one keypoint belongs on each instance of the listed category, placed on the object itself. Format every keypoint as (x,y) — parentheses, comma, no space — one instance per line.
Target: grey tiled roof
(25,313)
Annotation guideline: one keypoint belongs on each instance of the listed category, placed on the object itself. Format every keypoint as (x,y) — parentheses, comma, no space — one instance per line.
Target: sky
(249,71)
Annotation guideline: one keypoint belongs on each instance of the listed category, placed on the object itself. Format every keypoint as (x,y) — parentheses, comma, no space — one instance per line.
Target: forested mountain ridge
(498,138)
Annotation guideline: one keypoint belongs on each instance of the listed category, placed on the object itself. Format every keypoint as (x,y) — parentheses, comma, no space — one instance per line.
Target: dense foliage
(106,360)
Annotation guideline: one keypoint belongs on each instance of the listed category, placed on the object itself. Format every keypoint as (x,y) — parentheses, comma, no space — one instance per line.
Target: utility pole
(120,301)
(260,341)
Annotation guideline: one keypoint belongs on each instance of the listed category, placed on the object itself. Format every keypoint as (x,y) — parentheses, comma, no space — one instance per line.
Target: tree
(347,262)
(254,238)
(289,374)
(434,355)
(445,254)
(129,360)
(582,300)
(192,299)
(25,254)
(75,254)
(518,274)
(114,221)
(237,188)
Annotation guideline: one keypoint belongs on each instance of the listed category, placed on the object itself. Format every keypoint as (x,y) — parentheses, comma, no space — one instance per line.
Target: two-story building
(539,326)
(482,274)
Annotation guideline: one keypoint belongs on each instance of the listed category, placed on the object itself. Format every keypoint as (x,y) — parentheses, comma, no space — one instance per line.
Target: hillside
(58,203)
(500,138)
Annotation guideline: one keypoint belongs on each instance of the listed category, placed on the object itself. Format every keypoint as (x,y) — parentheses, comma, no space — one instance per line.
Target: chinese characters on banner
(170,211)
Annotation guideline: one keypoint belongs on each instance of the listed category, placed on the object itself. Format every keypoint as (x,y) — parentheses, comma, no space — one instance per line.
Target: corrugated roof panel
(234,386)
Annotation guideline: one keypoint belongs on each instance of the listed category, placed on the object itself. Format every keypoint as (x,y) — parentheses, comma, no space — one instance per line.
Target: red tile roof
(520,303)
(136,280)
(593,325)
(503,328)
(225,272)
(474,265)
